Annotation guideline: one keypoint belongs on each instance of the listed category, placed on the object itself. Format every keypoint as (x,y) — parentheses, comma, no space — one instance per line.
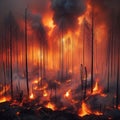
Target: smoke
(108,6)
(66,12)
(18,7)
(38,28)
(106,10)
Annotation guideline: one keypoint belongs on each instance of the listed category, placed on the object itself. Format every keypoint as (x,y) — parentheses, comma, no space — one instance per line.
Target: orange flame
(67,94)
(51,106)
(31,96)
(45,94)
(4,99)
(84,110)
(96,89)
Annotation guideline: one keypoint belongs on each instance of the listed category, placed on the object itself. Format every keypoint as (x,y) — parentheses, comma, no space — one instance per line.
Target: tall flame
(84,110)
(96,89)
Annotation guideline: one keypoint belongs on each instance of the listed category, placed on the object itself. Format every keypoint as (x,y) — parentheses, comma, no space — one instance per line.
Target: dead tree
(11,39)
(26,53)
(92,50)
(85,83)
(117,84)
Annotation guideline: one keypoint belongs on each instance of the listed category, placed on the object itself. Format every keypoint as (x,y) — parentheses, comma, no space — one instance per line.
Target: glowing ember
(36,81)
(17,113)
(103,95)
(45,94)
(51,106)
(67,94)
(119,107)
(31,96)
(98,113)
(84,110)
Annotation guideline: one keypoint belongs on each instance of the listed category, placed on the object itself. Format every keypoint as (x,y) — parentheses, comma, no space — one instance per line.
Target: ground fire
(60,59)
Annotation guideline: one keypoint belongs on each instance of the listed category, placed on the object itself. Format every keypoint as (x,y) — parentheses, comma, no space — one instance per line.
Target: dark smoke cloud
(66,12)
(38,28)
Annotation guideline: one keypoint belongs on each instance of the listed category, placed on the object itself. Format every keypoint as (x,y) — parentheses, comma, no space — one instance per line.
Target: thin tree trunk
(26,56)
(117,85)
(11,74)
(92,51)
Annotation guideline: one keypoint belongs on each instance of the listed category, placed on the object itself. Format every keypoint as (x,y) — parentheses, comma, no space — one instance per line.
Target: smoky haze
(66,12)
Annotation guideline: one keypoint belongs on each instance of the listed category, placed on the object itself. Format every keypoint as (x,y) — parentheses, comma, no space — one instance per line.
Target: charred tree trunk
(92,51)
(85,83)
(117,84)
(11,72)
(81,76)
(26,52)
(62,56)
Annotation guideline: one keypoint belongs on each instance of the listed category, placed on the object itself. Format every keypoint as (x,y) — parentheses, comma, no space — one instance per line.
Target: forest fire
(60,58)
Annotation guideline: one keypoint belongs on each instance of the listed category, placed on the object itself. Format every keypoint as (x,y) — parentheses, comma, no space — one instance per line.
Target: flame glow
(96,89)
(4,99)
(45,94)
(67,94)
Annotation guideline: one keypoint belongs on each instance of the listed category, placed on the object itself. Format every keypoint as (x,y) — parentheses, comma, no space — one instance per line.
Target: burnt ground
(31,111)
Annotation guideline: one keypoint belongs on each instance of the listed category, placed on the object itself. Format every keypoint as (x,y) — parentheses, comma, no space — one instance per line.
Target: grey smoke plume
(66,12)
